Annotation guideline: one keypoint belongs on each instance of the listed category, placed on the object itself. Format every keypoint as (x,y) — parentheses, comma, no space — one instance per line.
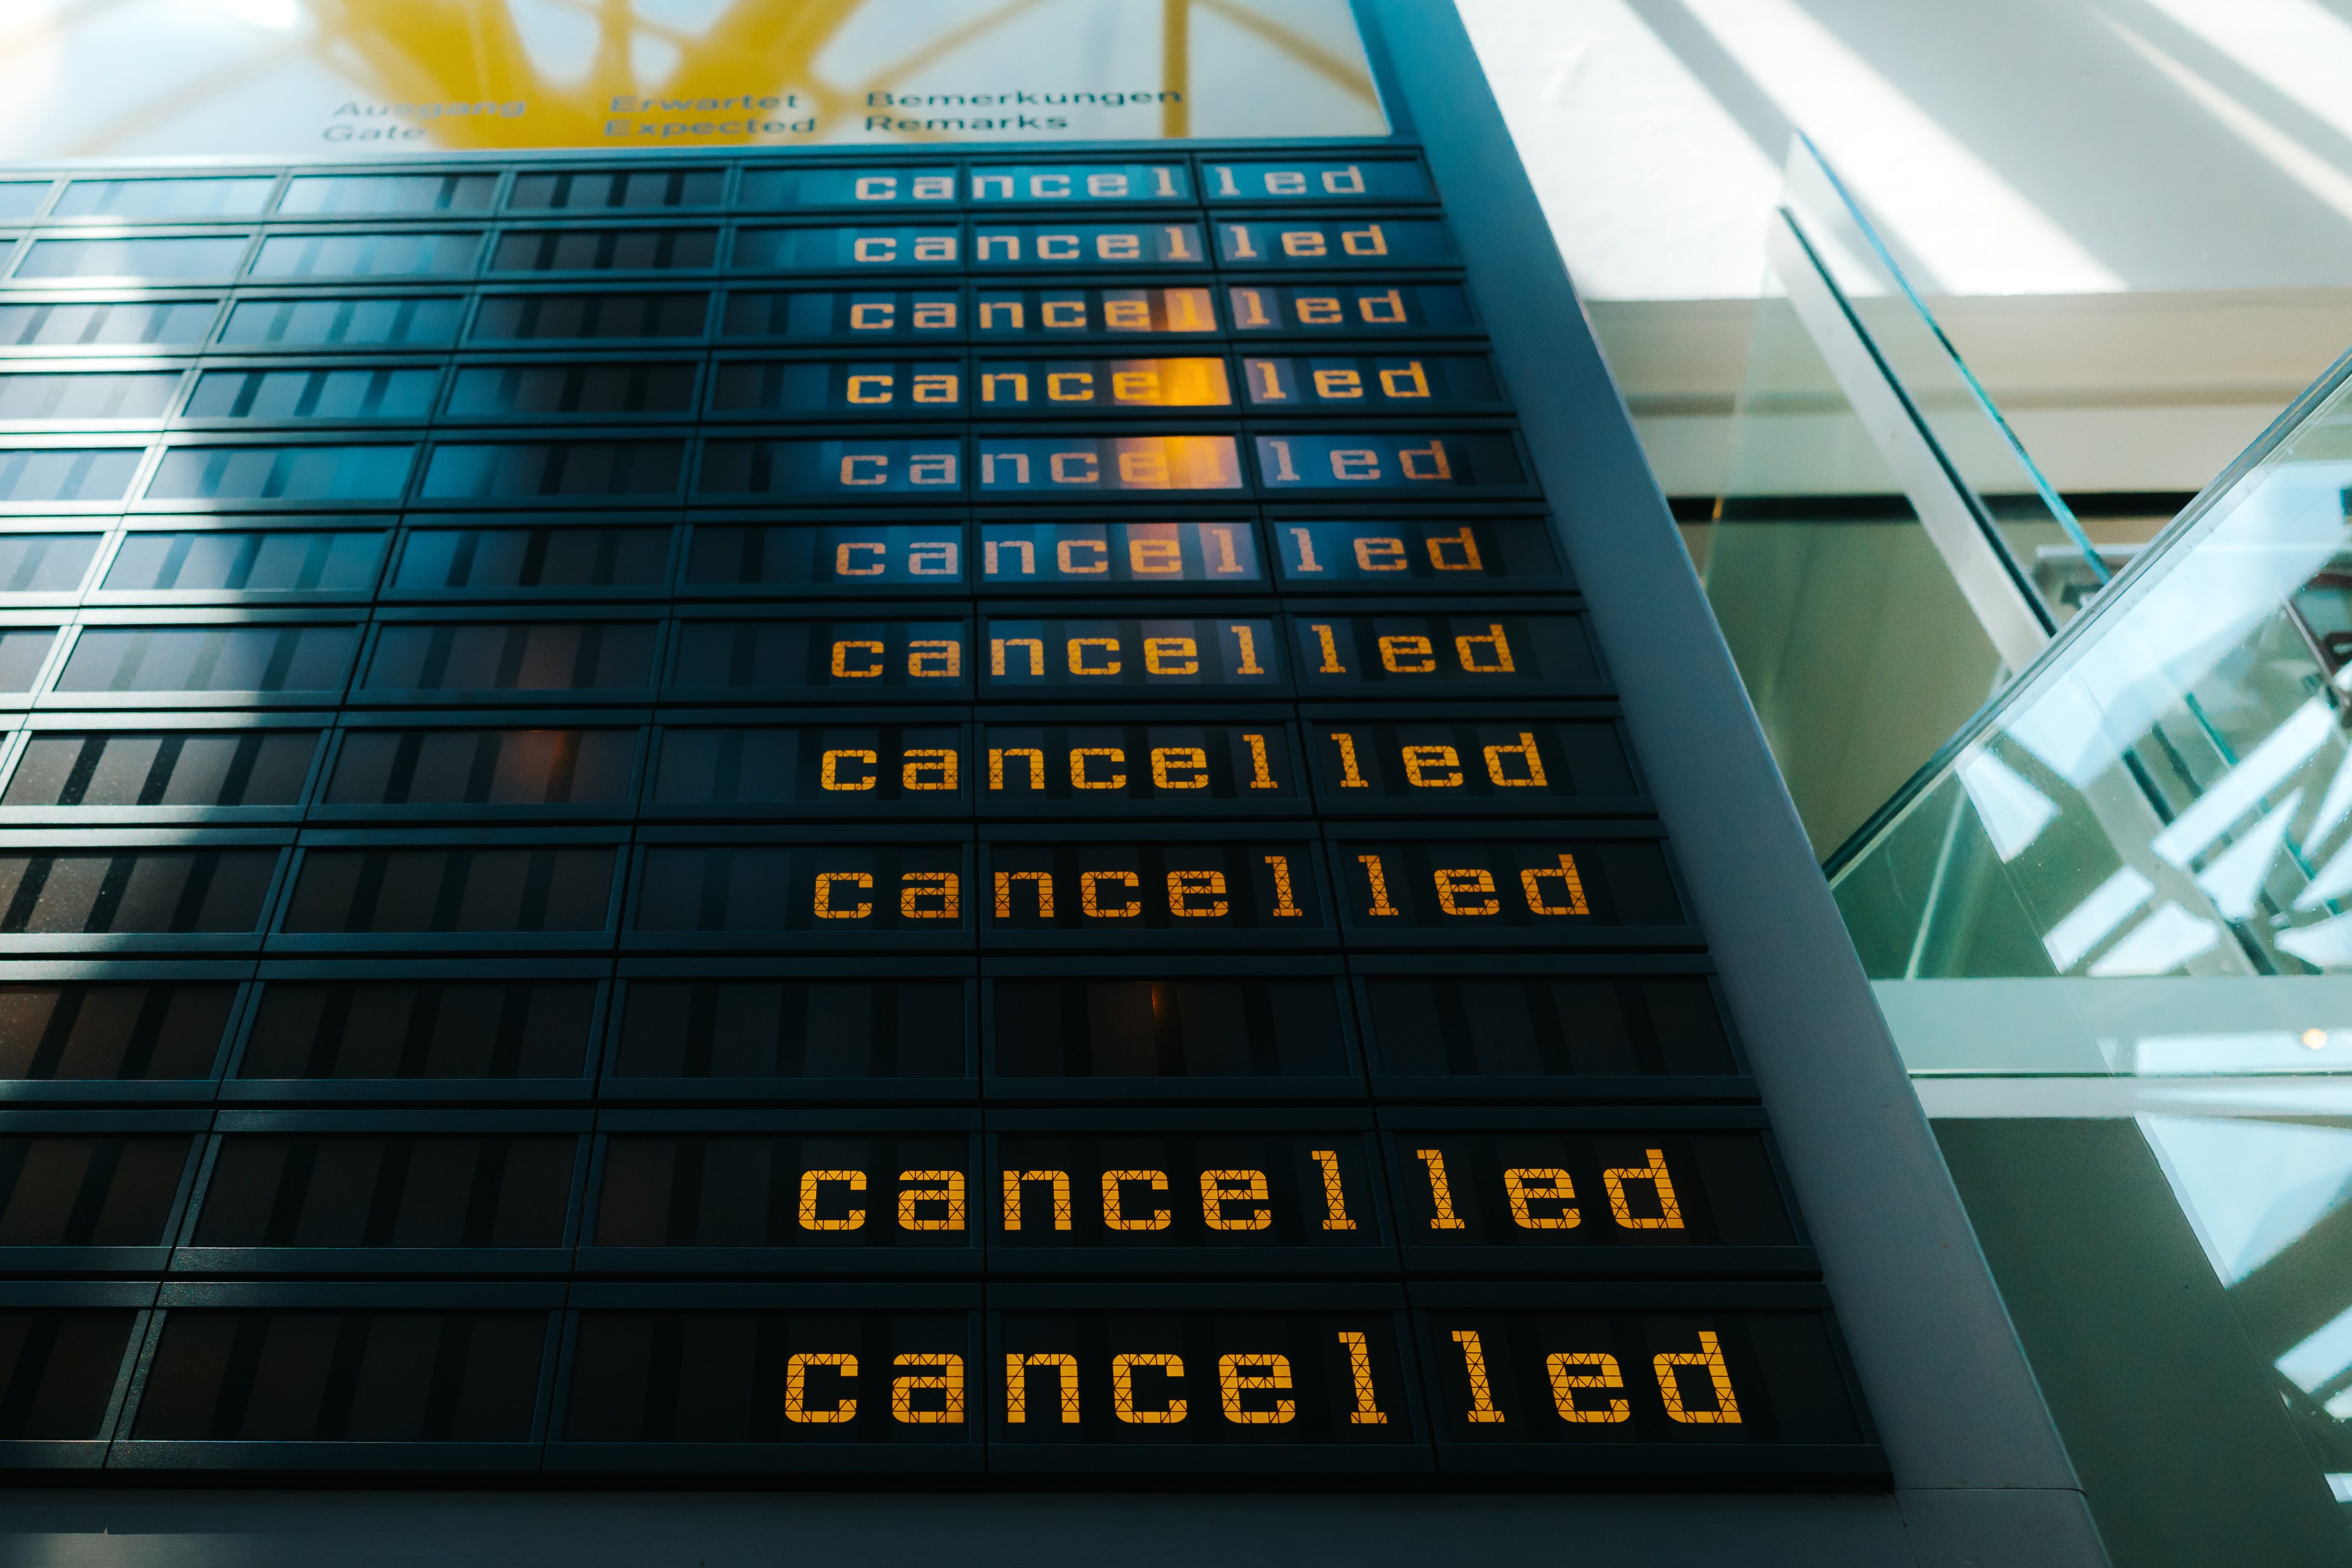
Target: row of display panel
(84,321)
(1634,1191)
(784,1031)
(304,558)
(629,656)
(1296,176)
(229,394)
(900,245)
(569,468)
(90,770)
(1592,885)
(1036,1385)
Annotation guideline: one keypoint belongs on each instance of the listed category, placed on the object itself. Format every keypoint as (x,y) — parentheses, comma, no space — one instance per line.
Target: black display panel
(896,814)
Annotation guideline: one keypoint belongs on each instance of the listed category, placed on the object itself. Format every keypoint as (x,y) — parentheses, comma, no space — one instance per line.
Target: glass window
(183,256)
(588,189)
(358,324)
(680,1377)
(23,651)
(58,1372)
(229,197)
(490,391)
(531,656)
(310,196)
(396,254)
(567,557)
(792,1028)
(605,251)
(1545,1025)
(175,767)
(1169,1028)
(209,658)
(111,1033)
(67,474)
(529,318)
(380,1378)
(554,468)
(134,395)
(106,323)
(752,1192)
(22,198)
(379,394)
(235,560)
(551,888)
(347,1030)
(88,1191)
(388,1191)
(483,767)
(134,892)
(281,473)
(46,562)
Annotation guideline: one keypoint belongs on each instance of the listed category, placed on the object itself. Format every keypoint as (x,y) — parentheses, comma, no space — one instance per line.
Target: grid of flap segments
(937,815)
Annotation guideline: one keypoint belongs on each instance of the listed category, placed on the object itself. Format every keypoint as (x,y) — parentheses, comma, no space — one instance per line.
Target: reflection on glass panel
(311,195)
(67,474)
(84,323)
(483,767)
(46,562)
(570,557)
(533,656)
(209,658)
(22,198)
(172,767)
(115,1032)
(605,251)
(547,890)
(144,394)
(389,255)
(535,318)
(589,189)
(555,390)
(426,323)
(281,473)
(232,197)
(23,651)
(160,258)
(226,560)
(378,394)
(134,892)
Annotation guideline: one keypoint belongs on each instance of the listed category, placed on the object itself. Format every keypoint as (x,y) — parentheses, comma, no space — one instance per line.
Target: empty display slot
(282,473)
(232,197)
(46,562)
(785,1192)
(309,196)
(380,393)
(358,891)
(1546,1025)
(566,557)
(111,1033)
(23,651)
(387,1190)
(58,1372)
(81,323)
(88,1191)
(731,1377)
(591,189)
(94,394)
(391,255)
(335,323)
(134,891)
(419,1029)
(530,318)
(67,474)
(531,656)
(219,561)
(605,251)
(793,1030)
(483,767)
(22,198)
(484,392)
(158,260)
(209,658)
(482,470)
(1169,1028)
(359,1377)
(172,767)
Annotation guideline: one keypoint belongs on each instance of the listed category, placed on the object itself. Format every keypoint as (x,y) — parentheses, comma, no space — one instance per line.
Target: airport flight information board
(941,816)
